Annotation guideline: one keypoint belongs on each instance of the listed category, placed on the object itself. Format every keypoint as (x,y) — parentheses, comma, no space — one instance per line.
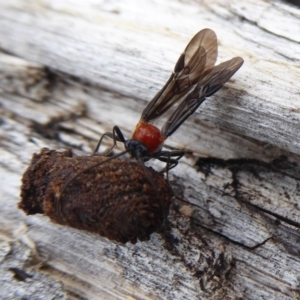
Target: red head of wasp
(195,77)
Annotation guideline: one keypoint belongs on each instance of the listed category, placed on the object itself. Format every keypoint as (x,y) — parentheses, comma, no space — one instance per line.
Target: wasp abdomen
(149,135)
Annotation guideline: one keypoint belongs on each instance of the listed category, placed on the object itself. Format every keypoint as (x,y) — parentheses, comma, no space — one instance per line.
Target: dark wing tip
(221,74)
(205,38)
(238,61)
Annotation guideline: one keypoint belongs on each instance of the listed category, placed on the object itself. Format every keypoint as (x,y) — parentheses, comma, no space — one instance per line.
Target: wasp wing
(206,87)
(220,75)
(196,61)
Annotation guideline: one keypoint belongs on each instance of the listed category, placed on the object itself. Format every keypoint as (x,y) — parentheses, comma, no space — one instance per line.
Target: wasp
(195,77)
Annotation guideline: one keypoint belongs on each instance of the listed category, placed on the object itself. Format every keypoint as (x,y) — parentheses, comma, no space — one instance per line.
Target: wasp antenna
(58,201)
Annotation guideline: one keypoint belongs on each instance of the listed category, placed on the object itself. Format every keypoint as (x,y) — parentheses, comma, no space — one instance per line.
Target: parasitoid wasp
(195,77)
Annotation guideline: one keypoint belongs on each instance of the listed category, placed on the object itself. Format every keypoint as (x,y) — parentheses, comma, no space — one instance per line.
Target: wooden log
(69,71)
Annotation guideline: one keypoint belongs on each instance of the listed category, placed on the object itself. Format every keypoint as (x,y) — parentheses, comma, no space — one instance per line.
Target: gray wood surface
(69,71)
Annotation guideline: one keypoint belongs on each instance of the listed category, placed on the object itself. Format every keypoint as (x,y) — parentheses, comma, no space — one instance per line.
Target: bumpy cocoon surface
(115,200)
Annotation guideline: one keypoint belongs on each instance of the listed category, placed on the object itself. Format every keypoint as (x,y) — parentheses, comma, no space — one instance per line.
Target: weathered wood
(236,215)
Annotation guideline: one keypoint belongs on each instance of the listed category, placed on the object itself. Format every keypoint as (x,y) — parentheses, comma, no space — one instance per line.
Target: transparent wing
(206,87)
(196,61)
(220,75)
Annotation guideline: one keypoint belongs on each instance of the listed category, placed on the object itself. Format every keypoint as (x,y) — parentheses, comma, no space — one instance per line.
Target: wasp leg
(116,135)
(171,159)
